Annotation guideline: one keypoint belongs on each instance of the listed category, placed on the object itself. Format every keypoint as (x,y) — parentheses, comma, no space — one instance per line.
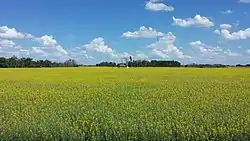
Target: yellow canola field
(125,104)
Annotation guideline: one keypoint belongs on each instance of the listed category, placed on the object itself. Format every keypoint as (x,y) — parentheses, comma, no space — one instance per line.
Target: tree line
(214,65)
(207,65)
(163,63)
(143,63)
(14,62)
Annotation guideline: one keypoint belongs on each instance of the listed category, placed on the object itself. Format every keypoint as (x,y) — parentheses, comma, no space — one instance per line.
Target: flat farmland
(125,104)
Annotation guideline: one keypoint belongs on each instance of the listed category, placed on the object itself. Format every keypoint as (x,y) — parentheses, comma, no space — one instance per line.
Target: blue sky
(195,31)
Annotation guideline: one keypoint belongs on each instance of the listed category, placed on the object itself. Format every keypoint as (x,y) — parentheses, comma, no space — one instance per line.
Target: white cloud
(47,45)
(217,31)
(213,51)
(10,33)
(229,11)
(6,43)
(24,52)
(157,5)
(206,50)
(231,54)
(29,36)
(165,47)
(80,53)
(143,32)
(38,50)
(8,48)
(117,55)
(100,50)
(140,55)
(239,35)
(50,53)
(47,40)
(99,45)
(244,1)
(61,50)
(197,21)
(225,26)
(8,51)
(160,53)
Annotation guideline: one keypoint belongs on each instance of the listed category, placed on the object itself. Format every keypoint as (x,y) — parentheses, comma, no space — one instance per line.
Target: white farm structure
(124,62)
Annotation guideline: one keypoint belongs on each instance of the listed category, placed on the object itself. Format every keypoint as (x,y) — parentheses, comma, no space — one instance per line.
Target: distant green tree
(14,62)
(144,63)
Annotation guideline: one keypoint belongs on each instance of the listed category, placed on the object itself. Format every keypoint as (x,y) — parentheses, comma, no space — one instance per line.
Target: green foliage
(125,104)
(144,63)
(15,62)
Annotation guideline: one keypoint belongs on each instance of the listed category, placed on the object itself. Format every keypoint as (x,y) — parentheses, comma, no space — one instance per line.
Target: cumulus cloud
(143,32)
(99,45)
(231,54)
(158,5)
(212,51)
(239,35)
(61,50)
(80,54)
(205,49)
(10,33)
(38,50)
(47,45)
(29,36)
(165,47)
(9,48)
(140,55)
(225,26)
(217,31)
(6,43)
(197,21)
(47,40)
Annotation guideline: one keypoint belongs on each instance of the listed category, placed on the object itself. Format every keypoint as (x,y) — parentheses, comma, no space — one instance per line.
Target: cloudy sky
(90,31)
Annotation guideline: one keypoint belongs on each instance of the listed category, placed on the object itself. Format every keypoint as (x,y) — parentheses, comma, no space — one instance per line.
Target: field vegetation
(125,104)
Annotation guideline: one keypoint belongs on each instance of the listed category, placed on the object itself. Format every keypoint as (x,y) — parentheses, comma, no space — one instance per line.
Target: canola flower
(124,104)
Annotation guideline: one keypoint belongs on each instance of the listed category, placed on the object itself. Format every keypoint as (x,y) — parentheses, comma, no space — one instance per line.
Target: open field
(125,104)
